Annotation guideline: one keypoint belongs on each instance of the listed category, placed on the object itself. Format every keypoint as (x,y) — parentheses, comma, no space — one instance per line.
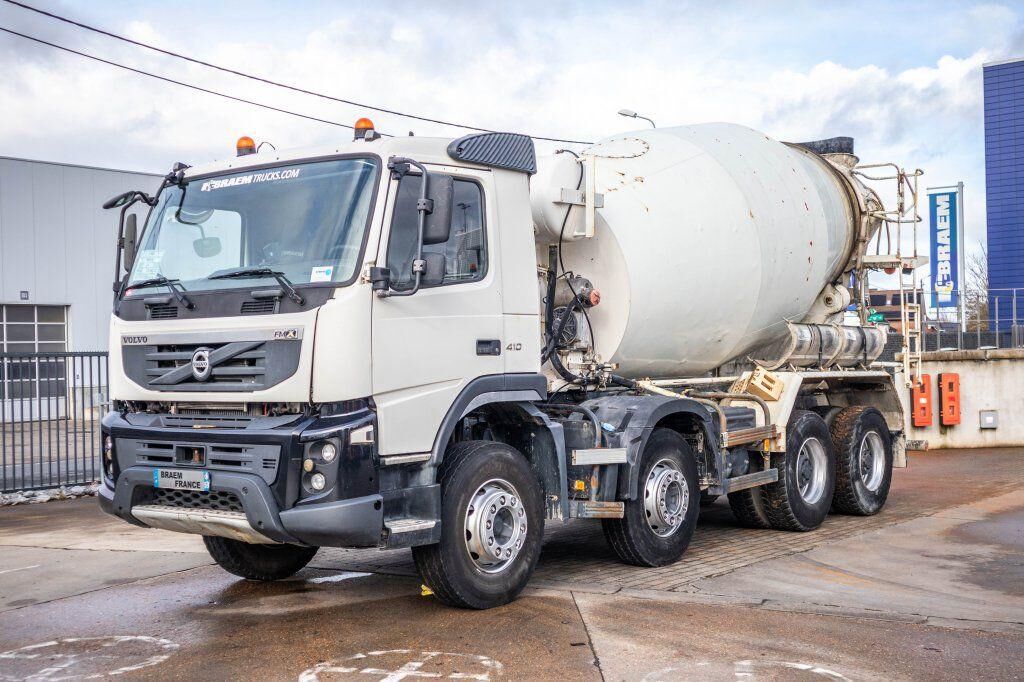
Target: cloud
(552,68)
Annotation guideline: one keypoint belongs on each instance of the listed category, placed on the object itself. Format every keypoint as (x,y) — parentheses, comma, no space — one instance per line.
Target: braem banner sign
(945,249)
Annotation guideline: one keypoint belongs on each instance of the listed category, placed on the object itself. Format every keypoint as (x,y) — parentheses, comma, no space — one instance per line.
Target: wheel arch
(636,417)
(506,403)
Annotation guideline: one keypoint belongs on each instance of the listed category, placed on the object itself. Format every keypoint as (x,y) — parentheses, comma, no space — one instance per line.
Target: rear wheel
(748,506)
(657,526)
(863,461)
(801,498)
(258,562)
(492,525)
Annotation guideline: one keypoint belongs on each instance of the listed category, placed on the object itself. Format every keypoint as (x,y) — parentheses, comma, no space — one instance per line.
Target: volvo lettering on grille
(201,365)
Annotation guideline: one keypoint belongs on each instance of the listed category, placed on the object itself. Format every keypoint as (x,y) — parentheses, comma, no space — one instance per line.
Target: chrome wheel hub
(871,461)
(811,467)
(496,525)
(666,498)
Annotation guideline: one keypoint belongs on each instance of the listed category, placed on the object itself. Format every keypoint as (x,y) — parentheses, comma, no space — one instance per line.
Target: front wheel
(258,562)
(657,526)
(492,525)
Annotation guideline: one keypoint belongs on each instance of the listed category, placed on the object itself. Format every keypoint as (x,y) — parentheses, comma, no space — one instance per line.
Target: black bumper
(347,513)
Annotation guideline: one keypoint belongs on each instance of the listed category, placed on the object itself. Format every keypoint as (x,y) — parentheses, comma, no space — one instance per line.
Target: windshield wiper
(171,284)
(262,271)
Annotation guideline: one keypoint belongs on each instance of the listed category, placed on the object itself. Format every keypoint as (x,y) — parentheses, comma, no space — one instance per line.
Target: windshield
(304,220)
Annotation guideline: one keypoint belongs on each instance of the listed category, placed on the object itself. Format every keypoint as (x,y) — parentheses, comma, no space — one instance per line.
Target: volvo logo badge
(201,367)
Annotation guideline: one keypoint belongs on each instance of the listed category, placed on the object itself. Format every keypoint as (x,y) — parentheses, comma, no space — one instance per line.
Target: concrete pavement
(930,589)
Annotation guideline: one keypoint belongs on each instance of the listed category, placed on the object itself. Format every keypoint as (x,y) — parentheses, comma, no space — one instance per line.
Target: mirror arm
(423,207)
(120,247)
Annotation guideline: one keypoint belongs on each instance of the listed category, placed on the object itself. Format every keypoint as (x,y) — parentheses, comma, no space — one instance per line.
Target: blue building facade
(1004,182)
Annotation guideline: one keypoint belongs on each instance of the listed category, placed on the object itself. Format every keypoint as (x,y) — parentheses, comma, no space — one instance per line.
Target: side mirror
(438,226)
(131,234)
(120,200)
(433,271)
(206,247)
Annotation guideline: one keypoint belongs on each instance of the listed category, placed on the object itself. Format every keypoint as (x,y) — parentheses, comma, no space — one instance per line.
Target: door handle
(488,347)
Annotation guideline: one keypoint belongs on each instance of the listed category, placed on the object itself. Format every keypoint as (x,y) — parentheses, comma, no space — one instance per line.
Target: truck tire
(492,527)
(657,526)
(748,506)
(258,562)
(801,498)
(863,461)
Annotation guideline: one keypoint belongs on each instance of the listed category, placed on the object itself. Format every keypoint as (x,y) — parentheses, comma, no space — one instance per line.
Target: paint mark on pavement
(84,657)
(337,578)
(396,665)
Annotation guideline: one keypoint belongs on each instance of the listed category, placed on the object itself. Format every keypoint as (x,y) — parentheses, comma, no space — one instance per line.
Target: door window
(465,251)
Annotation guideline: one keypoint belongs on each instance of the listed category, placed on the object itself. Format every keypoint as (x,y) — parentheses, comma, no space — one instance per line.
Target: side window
(465,251)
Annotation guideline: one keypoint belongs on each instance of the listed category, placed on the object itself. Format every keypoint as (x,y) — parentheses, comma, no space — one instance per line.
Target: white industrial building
(57,253)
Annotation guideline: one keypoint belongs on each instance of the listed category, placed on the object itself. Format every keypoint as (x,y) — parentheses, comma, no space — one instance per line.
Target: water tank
(709,240)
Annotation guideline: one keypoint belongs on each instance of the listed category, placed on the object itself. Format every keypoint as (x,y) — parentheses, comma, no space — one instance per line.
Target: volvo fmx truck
(445,345)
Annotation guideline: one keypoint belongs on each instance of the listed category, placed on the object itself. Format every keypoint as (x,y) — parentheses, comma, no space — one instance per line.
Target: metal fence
(51,405)
(984,318)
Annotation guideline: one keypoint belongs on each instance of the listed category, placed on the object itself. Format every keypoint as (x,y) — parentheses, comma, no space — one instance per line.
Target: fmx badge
(286,334)
(945,248)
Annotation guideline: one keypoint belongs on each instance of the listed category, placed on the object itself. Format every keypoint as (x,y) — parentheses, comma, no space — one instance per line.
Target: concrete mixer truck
(446,344)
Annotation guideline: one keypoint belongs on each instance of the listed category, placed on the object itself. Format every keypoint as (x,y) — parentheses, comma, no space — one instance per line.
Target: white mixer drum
(711,237)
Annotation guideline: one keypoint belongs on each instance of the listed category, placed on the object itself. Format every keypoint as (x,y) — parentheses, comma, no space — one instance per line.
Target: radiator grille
(190,499)
(244,371)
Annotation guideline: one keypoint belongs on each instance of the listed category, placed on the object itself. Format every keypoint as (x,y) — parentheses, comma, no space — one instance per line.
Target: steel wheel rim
(495,526)
(666,498)
(811,467)
(871,461)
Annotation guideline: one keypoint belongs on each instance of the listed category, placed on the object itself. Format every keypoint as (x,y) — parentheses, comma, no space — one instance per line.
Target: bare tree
(975,291)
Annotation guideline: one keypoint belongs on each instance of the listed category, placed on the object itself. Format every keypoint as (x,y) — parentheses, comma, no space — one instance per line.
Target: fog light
(328,452)
(317,481)
(108,447)
(307,465)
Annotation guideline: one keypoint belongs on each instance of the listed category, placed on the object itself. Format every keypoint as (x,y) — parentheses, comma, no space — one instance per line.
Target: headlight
(328,452)
(317,481)
(108,456)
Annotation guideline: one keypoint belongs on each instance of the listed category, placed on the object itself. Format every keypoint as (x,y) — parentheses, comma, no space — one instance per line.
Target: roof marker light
(245,146)
(364,130)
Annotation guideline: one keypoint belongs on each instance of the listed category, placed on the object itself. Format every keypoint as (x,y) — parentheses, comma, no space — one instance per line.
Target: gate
(51,405)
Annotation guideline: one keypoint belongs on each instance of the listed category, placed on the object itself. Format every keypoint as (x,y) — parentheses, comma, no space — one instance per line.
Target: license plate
(181,479)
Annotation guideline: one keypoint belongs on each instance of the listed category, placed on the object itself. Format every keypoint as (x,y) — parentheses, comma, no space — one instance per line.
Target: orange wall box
(949,398)
(921,400)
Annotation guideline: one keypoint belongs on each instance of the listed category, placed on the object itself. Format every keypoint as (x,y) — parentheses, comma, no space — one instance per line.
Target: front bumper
(277,505)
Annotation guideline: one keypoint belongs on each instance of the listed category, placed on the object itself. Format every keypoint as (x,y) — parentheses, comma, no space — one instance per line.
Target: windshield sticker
(287,174)
(147,264)
(322,274)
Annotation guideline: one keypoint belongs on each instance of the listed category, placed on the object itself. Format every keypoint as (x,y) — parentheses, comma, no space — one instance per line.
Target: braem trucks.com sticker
(288,174)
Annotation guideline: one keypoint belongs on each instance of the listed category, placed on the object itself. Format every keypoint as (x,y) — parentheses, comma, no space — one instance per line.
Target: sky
(904,79)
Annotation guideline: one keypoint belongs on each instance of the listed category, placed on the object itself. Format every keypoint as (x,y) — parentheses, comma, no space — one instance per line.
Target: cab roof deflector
(498,150)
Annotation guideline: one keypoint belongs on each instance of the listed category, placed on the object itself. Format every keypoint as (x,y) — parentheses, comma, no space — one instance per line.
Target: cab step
(411,532)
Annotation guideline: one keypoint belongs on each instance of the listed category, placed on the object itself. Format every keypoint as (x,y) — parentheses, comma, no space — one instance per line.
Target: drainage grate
(189,499)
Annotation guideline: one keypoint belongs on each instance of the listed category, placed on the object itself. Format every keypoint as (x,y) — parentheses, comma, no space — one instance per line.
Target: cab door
(428,346)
